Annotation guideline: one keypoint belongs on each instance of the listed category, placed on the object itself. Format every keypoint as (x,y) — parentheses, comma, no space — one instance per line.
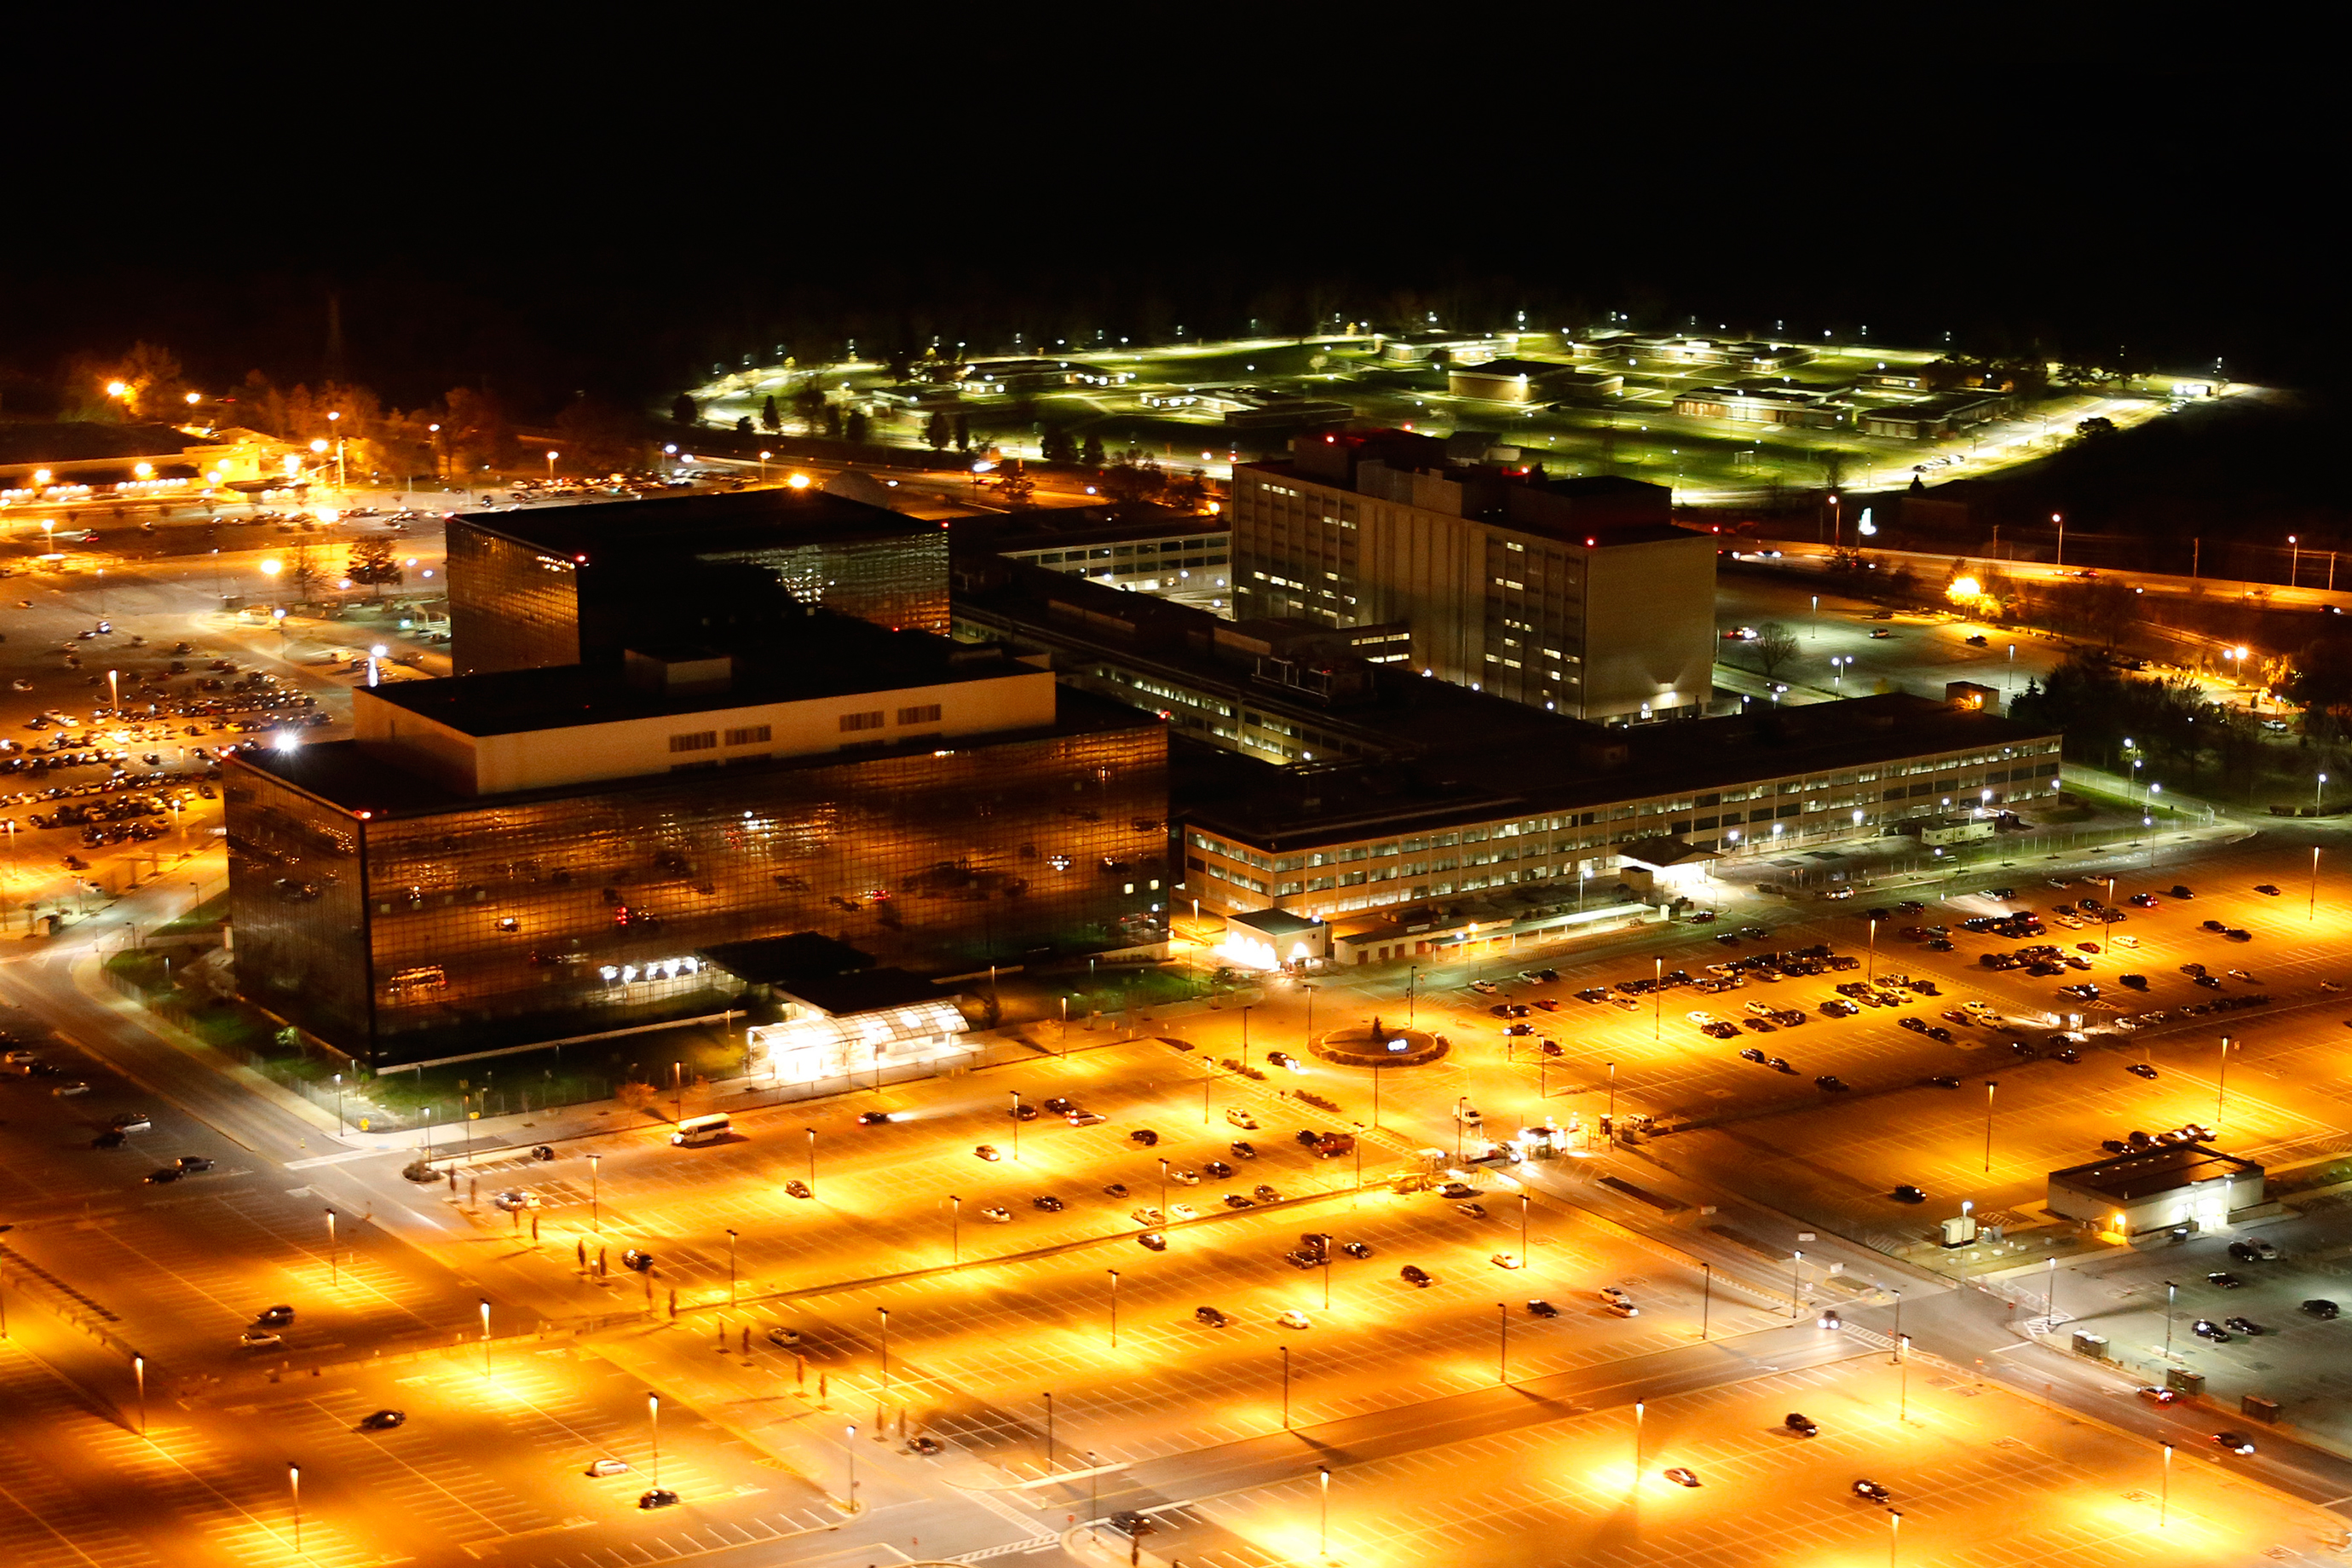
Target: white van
(696,1130)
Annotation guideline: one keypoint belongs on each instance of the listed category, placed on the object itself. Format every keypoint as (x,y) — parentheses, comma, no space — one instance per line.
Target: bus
(696,1130)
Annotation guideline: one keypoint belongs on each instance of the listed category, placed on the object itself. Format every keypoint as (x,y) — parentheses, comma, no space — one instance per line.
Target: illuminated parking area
(1978,1475)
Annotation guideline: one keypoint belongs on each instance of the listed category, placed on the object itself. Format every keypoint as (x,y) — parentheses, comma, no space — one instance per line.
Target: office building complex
(536,590)
(1330,842)
(545,853)
(1578,597)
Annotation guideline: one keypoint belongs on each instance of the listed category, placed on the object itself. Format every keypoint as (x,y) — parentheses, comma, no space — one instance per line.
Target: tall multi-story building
(543,853)
(536,590)
(1579,596)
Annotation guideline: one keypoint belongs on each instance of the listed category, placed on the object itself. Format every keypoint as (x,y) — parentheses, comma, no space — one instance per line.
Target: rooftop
(343,776)
(786,961)
(1559,764)
(2159,1170)
(717,524)
(84,442)
(820,654)
(865,991)
(1527,367)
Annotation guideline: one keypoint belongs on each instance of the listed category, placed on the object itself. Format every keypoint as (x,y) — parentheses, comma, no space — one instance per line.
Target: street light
(550,467)
(139,1370)
(1114,1304)
(730,1269)
(294,1483)
(1016,1125)
(486,1336)
(334,1266)
(884,1313)
(955,1230)
(653,1432)
(811,1159)
(1323,1530)
(1991,1084)
(2221,1087)
(595,1194)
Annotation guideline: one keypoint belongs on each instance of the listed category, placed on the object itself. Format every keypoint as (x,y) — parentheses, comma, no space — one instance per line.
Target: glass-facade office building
(398,921)
(539,590)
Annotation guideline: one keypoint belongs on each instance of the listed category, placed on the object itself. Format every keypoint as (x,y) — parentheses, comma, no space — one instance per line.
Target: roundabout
(1380,1044)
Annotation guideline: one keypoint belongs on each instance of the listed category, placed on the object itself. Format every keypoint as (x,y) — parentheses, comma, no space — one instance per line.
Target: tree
(474,429)
(1091,454)
(808,404)
(1134,477)
(900,363)
(769,420)
(1056,446)
(832,419)
(1775,646)
(153,388)
(374,562)
(962,434)
(303,572)
(600,439)
(2094,427)
(857,428)
(938,432)
(1016,486)
(682,410)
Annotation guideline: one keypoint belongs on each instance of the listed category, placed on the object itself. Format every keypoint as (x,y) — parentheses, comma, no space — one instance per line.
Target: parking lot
(1978,1475)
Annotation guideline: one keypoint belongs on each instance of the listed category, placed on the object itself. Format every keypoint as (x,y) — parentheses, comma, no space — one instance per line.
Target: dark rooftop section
(1387,706)
(83,442)
(815,653)
(2159,1170)
(1564,765)
(1530,368)
(707,526)
(787,961)
(866,991)
(1594,511)
(1059,528)
(339,773)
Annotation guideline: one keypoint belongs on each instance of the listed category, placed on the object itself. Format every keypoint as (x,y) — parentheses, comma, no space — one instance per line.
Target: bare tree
(1775,646)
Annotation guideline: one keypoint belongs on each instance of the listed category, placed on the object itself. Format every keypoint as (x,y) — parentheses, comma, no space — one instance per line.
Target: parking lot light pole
(1796,1285)
(1016,1124)
(1869,965)
(334,1266)
(1894,1533)
(1706,1296)
(884,1313)
(851,1449)
(1412,992)
(1522,1232)
(595,1194)
(955,1230)
(1658,999)
(730,1270)
(294,1484)
(812,1161)
(1903,1370)
(653,1431)
(2311,910)
(1323,1529)
(139,1370)
(2163,1497)
(486,1336)
(1246,1013)
(1991,1084)
(1286,1386)
(2221,1087)
(1049,1431)
(2170,1290)
(1114,1303)
(1637,1446)
(1163,1190)
(1502,1342)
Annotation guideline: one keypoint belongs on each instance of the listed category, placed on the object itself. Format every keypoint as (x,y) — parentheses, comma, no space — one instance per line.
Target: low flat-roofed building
(1184,556)
(1576,799)
(79,460)
(1509,379)
(1458,348)
(1762,405)
(1934,416)
(1270,939)
(2158,1188)
(987,376)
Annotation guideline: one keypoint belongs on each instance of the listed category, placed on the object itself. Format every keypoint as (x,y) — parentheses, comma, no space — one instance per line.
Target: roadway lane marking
(347,1154)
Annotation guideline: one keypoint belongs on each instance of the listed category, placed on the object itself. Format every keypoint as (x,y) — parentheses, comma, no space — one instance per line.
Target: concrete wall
(631,748)
(1649,625)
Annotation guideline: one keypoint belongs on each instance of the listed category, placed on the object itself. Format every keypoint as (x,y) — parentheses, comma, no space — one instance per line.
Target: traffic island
(1377,1045)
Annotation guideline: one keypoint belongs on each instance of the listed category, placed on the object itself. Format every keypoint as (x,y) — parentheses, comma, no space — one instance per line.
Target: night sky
(546,234)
